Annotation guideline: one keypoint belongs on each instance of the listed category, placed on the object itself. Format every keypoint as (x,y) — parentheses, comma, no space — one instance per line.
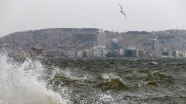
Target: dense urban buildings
(99,44)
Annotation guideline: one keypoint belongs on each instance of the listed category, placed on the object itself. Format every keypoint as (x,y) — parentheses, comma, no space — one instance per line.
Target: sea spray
(23,83)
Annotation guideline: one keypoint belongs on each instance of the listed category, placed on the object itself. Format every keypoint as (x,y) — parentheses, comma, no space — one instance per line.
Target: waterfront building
(166,54)
(99,51)
(175,53)
(17,54)
(155,49)
(184,53)
(87,53)
(79,54)
(54,53)
(114,44)
(181,53)
(154,44)
(140,53)
(148,54)
(121,52)
(101,38)
(71,53)
(131,51)
(154,53)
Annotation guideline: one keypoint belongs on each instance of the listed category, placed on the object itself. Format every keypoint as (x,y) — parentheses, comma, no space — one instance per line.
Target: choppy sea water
(93,81)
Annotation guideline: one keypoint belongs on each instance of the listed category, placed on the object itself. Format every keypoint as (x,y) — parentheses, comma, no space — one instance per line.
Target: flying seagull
(122,11)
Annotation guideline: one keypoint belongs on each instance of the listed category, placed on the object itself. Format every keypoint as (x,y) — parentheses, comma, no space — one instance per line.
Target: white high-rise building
(101,38)
(155,44)
(114,44)
(155,47)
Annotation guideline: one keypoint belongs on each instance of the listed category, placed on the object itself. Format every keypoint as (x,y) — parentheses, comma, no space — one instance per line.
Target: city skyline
(143,15)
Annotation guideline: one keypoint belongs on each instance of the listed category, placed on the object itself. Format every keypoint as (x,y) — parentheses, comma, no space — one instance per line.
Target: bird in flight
(122,11)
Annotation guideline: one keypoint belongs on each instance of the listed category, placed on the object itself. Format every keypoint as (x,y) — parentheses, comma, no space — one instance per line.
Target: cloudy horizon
(143,15)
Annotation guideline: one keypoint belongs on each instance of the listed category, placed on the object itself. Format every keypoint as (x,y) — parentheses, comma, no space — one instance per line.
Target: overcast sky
(142,15)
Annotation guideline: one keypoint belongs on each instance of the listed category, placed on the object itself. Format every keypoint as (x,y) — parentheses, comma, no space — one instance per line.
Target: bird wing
(120,7)
(124,14)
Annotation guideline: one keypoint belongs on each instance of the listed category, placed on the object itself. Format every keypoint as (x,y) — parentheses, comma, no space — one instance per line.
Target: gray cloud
(20,15)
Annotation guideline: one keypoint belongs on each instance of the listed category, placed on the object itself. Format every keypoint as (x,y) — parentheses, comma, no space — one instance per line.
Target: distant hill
(52,39)
(82,38)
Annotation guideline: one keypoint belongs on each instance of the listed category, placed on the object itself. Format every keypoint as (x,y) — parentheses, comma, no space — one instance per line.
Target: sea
(93,81)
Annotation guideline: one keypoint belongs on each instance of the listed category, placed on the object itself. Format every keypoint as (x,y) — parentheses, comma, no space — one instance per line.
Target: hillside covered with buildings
(77,42)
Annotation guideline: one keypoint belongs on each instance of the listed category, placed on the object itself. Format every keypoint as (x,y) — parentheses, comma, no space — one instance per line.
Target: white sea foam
(68,73)
(107,98)
(108,75)
(23,84)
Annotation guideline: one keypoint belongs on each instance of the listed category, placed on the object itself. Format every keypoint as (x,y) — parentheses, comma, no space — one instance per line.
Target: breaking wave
(23,83)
